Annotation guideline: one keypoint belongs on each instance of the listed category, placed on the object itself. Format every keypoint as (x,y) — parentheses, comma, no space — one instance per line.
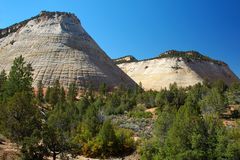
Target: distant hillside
(186,68)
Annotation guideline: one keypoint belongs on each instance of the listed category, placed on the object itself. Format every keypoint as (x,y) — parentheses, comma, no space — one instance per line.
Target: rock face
(58,47)
(125,59)
(184,68)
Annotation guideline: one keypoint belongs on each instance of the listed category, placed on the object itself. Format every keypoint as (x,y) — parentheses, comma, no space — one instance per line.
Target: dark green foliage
(19,78)
(47,95)
(186,137)
(19,115)
(160,99)
(55,94)
(62,95)
(193,130)
(22,117)
(174,97)
(233,93)
(123,59)
(72,92)
(31,149)
(91,122)
(107,139)
(102,89)
(220,86)
(195,94)
(214,102)
(188,125)
(139,112)
(60,126)
(189,55)
(3,80)
(82,106)
(146,98)
(40,96)
(233,146)
(55,141)
(163,123)
(112,103)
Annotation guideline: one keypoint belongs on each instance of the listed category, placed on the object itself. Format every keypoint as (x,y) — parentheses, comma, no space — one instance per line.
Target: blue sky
(145,28)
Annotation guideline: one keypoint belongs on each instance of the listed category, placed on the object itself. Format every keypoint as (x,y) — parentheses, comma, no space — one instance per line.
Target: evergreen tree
(220,86)
(82,106)
(233,93)
(62,95)
(233,147)
(213,103)
(55,141)
(216,137)
(3,79)
(72,92)
(91,122)
(47,95)
(22,117)
(107,139)
(40,97)
(163,124)
(103,89)
(32,149)
(20,77)
(160,99)
(54,93)
(186,138)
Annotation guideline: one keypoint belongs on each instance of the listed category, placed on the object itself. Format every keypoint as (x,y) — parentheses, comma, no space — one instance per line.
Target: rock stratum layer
(184,68)
(58,47)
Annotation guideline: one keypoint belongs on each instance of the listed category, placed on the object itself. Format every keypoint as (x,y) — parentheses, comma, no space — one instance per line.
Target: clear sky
(145,28)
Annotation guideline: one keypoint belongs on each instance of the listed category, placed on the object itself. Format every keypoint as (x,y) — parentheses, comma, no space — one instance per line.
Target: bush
(139,112)
(110,141)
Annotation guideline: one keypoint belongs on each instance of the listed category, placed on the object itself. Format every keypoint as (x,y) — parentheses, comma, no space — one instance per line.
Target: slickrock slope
(58,47)
(184,68)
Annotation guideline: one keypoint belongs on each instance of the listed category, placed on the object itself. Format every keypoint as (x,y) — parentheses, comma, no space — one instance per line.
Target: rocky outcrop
(58,47)
(184,68)
(125,59)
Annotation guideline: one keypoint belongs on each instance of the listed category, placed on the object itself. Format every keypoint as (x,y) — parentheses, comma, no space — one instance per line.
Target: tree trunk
(54,155)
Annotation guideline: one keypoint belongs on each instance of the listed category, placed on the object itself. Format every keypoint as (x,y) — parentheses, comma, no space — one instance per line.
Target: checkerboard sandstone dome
(185,68)
(58,47)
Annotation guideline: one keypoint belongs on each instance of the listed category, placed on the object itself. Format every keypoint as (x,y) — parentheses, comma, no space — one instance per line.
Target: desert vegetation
(125,59)
(189,55)
(188,122)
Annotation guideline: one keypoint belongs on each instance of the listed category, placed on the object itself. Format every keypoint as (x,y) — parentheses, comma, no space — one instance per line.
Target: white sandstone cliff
(58,47)
(158,73)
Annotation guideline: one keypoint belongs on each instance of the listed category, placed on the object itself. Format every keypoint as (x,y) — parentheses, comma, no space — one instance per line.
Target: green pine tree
(40,97)
(72,92)
(19,78)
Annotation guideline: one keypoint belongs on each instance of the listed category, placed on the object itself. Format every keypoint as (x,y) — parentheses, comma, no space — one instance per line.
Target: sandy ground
(9,151)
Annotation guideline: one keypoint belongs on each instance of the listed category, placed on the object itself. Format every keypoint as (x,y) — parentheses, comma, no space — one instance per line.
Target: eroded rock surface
(58,47)
(186,70)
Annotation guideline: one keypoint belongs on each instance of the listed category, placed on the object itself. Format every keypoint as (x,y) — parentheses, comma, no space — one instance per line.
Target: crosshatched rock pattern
(159,73)
(58,47)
